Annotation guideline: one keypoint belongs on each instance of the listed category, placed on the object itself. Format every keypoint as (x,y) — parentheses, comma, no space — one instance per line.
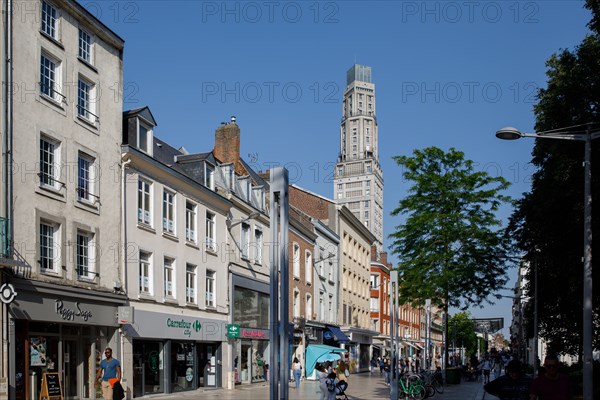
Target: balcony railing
(5,238)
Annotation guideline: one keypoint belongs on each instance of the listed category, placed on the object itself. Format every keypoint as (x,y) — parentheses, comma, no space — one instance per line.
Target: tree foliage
(449,247)
(461,332)
(548,221)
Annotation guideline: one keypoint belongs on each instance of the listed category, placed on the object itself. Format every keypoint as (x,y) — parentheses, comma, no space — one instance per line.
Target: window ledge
(170,236)
(84,279)
(171,300)
(145,296)
(52,102)
(212,252)
(51,192)
(88,64)
(87,206)
(52,273)
(87,124)
(296,278)
(192,245)
(258,262)
(191,305)
(52,39)
(145,227)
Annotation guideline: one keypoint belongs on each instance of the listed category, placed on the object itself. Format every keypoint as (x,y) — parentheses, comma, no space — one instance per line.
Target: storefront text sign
(69,314)
(254,333)
(187,326)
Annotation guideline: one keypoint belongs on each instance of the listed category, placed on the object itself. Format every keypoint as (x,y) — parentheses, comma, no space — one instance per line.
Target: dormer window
(144,137)
(209,176)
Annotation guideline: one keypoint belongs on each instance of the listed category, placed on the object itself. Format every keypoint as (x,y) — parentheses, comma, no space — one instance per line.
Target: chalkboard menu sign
(51,388)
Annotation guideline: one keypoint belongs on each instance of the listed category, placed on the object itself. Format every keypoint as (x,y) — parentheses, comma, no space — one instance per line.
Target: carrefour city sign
(188,327)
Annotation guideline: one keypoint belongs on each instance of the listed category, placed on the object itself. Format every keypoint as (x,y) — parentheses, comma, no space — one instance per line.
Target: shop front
(174,353)
(361,341)
(251,355)
(250,342)
(60,330)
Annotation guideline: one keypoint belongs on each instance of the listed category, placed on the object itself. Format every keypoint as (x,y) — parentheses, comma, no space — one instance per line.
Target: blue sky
(447,74)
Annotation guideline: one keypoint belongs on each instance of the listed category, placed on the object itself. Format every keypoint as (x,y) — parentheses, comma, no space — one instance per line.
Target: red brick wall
(314,206)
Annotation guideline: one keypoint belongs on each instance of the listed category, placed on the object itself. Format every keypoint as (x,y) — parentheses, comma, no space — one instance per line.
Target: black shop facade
(62,330)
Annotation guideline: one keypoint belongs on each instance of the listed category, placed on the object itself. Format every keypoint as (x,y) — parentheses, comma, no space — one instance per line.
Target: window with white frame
(49,20)
(374,281)
(210,288)
(374,304)
(84,255)
(86,105)
(209,176)
(144,137)
(296,305)
(49,77)
(85,177)
(296,260)
(190,221)
(168,211)
(330,257)
(49,163)
(321,261)
(49,246)
(330,309)
(308,266)
(309,307)
(211,239)
(322,315)
(145,273)
(245,240)
(144,202)
(258,244)
(169,289)
(85,46)
(190,284)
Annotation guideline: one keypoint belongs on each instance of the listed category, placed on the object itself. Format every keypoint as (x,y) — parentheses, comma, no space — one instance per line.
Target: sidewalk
(363,386)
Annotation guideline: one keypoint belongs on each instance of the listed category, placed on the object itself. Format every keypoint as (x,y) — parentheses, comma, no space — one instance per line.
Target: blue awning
(337,334)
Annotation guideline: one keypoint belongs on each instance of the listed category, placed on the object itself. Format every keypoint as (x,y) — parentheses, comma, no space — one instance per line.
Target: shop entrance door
(70,363)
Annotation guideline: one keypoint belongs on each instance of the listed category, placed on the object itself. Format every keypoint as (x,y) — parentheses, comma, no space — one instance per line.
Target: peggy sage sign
(187,327)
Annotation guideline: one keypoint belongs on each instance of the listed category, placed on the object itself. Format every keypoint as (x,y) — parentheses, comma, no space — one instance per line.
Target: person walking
(322,377)
(110,368)
(512,386)
(387,369)
(551,385)
(486,367)
(297,370)
(331,383)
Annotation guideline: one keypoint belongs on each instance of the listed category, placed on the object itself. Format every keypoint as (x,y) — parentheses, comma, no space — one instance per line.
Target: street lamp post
(579,133)
(394,334)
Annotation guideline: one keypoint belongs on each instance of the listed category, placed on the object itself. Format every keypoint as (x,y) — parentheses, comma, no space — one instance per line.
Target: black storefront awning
(337,334)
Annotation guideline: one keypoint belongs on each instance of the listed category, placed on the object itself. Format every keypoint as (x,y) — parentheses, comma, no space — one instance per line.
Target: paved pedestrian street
(360,387)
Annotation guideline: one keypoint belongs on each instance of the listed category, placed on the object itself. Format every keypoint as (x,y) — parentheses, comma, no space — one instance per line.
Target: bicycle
(424,380)
(434,379)
(411,390)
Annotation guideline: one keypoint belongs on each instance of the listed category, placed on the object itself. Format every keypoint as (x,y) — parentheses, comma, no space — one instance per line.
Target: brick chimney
(227,143)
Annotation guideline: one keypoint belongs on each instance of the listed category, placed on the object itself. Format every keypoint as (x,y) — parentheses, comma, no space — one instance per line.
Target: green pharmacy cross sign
(233,331)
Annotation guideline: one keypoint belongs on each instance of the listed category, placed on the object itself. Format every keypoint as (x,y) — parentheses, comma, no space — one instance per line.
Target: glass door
(70,363)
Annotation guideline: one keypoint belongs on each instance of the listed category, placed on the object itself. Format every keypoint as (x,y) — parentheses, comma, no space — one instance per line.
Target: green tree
(547,223)
(450,247)
(461,332)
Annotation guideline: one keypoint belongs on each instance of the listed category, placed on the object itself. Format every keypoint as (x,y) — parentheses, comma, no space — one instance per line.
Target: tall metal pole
(279,370)
(427,333)
(588,372)
(394,334)
(535,317)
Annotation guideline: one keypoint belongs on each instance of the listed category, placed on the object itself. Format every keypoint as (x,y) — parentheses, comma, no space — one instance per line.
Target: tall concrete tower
(358,182)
